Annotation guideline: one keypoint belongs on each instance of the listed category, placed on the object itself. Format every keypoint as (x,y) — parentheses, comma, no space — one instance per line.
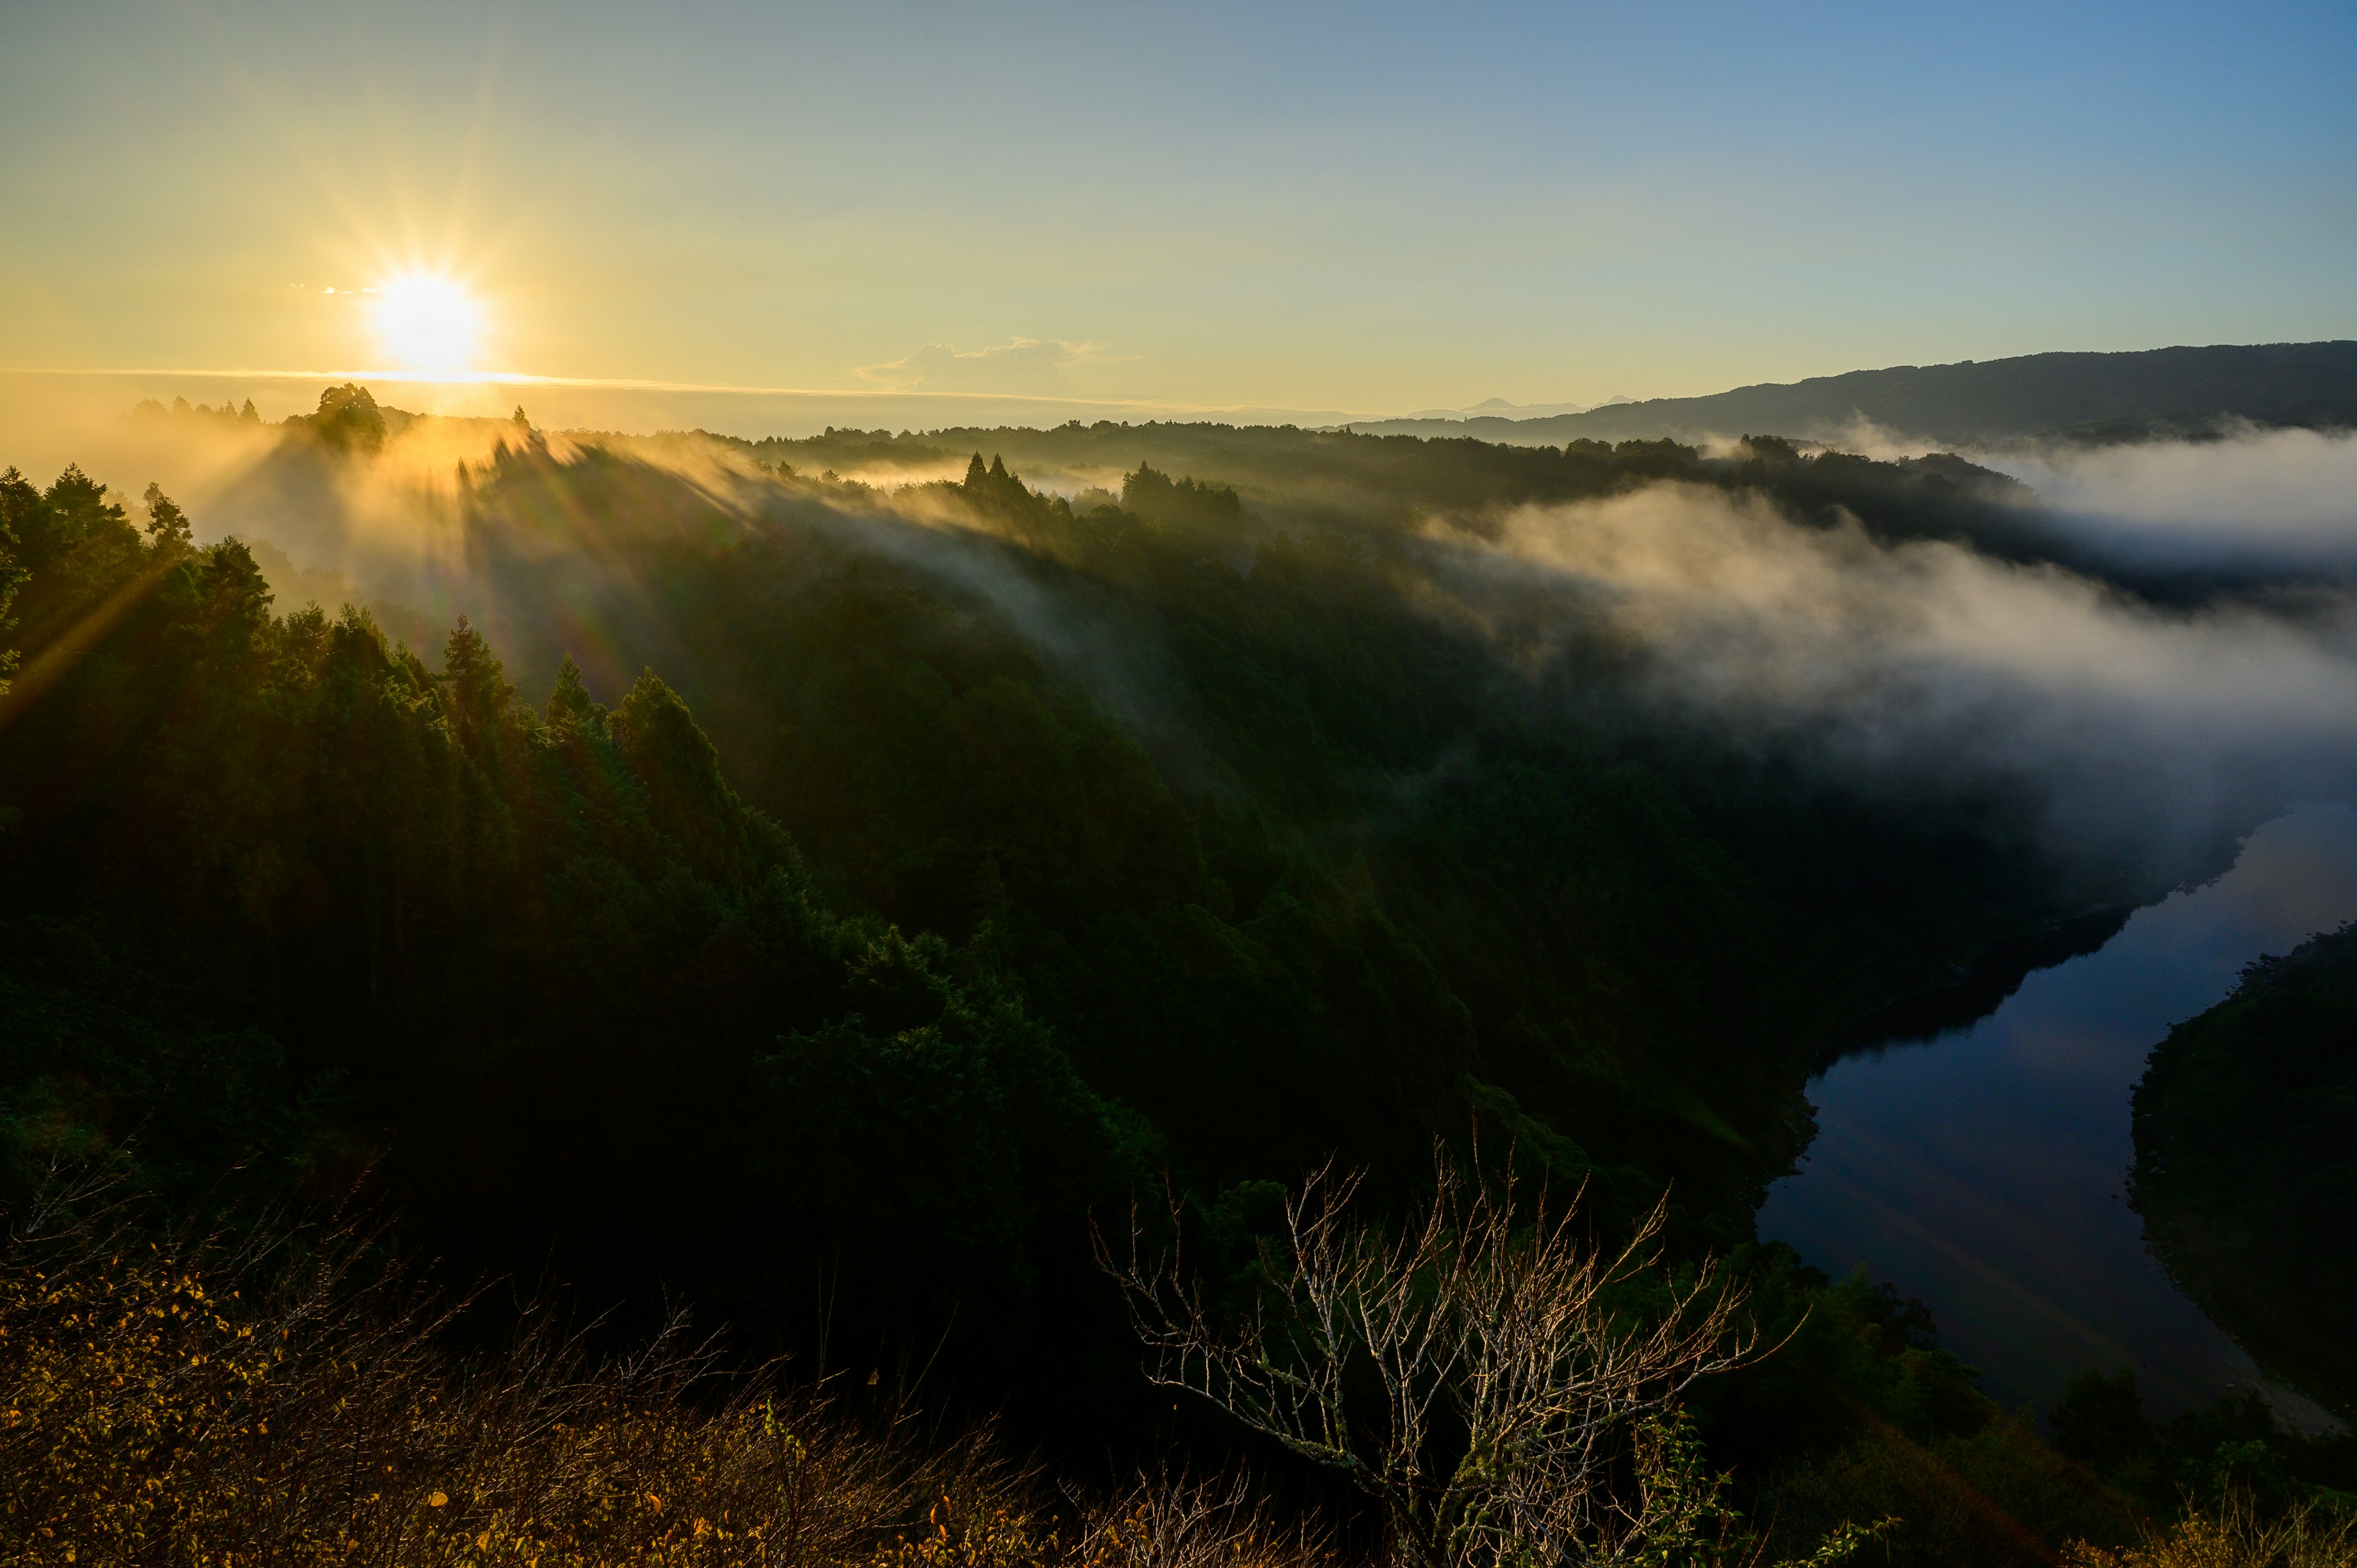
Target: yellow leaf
(437,1499)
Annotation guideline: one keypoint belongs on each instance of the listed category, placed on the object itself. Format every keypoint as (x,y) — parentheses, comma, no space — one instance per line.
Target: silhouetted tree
(167,525)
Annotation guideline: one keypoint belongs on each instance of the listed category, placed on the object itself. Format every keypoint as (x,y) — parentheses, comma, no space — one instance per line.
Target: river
(1984,1170)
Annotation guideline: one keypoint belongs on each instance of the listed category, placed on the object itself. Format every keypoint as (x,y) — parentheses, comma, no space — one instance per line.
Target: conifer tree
(167,525)
(476,681)
(570,703)
(233,593)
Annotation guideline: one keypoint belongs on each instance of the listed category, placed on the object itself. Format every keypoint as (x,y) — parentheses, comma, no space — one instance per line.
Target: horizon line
(625,383)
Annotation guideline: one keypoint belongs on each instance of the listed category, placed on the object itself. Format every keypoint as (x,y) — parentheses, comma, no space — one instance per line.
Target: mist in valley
(2142,723)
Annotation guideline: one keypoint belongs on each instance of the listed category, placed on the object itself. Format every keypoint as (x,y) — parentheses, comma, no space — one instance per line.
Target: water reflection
(1984,1170)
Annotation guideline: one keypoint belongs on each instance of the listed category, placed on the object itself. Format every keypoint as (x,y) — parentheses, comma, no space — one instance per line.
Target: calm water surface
(1984,1170)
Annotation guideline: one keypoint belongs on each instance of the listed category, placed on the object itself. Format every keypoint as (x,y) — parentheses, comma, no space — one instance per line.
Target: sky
(1361,210)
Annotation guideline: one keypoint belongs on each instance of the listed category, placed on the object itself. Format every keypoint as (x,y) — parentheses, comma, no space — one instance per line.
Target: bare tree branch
(1483,1373)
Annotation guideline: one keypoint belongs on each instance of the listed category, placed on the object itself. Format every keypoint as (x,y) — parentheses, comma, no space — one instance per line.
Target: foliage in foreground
(289,1396)
(175,1397)
(1502,1389)
(2236,1534)
(171,1396)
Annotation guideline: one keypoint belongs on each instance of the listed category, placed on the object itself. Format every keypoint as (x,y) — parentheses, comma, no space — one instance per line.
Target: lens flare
(426,323)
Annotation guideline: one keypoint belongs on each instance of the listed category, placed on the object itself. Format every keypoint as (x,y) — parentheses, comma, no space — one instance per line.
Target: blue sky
(1369,208)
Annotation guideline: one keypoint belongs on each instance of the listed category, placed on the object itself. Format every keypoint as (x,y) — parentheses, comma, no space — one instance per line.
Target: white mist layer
(2277,497)
(2284,500)
(1925,660)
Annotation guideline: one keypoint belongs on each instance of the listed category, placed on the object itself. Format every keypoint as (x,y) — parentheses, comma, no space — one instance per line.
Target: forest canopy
(819,896)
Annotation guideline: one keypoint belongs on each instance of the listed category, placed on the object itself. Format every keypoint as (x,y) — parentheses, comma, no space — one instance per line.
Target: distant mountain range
(1499,408)
(2093,397)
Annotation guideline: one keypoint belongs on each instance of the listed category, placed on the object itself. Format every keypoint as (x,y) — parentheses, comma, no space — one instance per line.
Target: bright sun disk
(426,323)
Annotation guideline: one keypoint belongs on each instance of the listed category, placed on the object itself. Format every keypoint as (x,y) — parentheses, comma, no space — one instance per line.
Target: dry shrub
(2236,1534)
(1180,1523)
(191,1399)
(201,1400)
(1478,1373)
(1162,1523)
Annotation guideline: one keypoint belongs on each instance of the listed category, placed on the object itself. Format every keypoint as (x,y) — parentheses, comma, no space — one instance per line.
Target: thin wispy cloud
(1021,365)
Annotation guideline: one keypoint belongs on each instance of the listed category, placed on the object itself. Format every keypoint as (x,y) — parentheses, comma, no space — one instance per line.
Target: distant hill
(2091,396)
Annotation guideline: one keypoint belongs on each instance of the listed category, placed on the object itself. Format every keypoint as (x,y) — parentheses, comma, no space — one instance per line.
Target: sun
(426,323)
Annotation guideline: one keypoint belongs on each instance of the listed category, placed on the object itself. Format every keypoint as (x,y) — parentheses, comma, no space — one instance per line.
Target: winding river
(1984,1170)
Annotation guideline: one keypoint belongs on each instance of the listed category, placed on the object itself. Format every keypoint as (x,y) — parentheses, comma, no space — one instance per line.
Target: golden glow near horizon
(427,325)
(1541,204)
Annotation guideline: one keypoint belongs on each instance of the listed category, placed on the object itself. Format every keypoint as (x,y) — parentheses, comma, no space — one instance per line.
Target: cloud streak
(1022,365)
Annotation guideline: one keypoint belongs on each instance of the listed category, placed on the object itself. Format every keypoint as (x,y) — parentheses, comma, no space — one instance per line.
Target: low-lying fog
(1929,664)
(1918,663)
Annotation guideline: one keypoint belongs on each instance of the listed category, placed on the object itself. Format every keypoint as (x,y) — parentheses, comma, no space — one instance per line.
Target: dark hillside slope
(274,891)
(2246,1163)
(1292,866)
(2191,388)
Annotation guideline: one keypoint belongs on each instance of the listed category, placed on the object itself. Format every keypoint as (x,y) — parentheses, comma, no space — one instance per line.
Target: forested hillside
(277,889)
(1346,482)
(1282,861)
(2245,1166)
(968,863)
(1355,484)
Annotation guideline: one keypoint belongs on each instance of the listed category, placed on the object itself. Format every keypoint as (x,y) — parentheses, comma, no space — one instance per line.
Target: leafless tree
(1502,1386)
